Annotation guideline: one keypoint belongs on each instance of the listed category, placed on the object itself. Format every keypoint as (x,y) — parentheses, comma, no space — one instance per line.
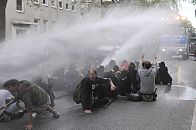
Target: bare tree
(3,4)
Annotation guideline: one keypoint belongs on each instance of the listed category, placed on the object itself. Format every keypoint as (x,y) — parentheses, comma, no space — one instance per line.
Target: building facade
(38,16)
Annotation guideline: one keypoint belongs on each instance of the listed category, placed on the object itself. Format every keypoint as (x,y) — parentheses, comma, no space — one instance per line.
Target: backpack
(77,94)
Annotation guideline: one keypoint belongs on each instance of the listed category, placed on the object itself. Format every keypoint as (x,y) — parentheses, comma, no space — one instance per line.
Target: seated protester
(133,79)
(93,91)
(113,75)
(84,71)
(100,71)
(8,107)
(147,90)
(72,78)
(34,97)
(110,65)
(47,87)
(123,82)
(164,76)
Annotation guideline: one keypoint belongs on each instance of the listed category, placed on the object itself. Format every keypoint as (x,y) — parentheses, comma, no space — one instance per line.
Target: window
(60,4)
(45,2)
(19,5)
(45,25)
(37,28)
(36,1)
(20,32)
(66,6)
(36,20)
(53,3)
(72,7)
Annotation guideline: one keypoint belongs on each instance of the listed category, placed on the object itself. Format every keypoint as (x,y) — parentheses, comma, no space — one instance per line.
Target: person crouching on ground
(33,96)
(93,91)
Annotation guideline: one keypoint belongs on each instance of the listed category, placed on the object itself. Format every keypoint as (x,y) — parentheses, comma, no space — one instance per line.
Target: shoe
(56,114)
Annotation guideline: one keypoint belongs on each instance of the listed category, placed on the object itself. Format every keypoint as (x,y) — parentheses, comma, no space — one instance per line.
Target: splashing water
(33,55)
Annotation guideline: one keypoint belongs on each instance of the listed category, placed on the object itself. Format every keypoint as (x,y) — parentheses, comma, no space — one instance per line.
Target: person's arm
(141,62)
(10,102)
(113,87)
(29,125)
(105,80)
(30,108)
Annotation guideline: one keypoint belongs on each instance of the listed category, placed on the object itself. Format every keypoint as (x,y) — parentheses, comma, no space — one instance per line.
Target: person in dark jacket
(110,65)
(113,75)
(33,96)
(163,74)
(133,80)
(100,70)
(93,91)
(72,78)
(147,91)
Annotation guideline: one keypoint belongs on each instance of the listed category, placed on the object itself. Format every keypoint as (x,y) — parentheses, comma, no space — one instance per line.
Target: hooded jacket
(147,80)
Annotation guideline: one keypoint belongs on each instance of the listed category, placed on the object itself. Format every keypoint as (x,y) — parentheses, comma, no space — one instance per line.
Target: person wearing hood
(34,97)
(147,89)
(165,77)
(147,78)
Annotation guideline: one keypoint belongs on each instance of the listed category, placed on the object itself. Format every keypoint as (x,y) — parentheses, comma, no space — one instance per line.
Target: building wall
(37,17)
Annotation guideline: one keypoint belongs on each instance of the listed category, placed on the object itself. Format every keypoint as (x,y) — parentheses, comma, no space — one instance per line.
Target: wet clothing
(34,97)
(12,111)
(164,76)
(93,93)
(147,80)
(47,87)
(4,95)
(72,78)
(111,75)
(123,78)
(133,81)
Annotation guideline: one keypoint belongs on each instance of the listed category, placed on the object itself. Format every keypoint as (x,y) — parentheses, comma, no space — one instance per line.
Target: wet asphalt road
(171,111)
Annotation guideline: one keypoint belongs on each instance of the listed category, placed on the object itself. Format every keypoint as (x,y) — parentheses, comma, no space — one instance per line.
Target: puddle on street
(183,92)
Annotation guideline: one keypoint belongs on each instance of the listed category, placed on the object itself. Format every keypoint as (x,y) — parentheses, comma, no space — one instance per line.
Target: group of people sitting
(99,87)
(136,83)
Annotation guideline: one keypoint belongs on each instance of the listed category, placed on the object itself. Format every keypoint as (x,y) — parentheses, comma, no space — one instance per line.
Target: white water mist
(33,55)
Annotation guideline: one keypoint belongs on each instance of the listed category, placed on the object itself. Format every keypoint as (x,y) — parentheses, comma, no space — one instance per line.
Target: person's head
(115,68)
(162,64)
(132,66)
(147,64)
(124,65)
(100,69)
(92,74)
(112,63)
(11,85)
